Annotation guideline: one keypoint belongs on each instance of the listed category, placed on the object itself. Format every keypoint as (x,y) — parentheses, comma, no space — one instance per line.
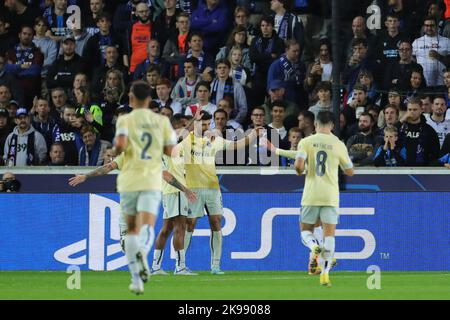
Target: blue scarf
(238,73)
(228,90)
(93,158)
(284,27)
(291,71)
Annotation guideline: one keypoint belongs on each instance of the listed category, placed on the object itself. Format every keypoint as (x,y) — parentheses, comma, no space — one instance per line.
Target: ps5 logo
(266,234)
(94,249)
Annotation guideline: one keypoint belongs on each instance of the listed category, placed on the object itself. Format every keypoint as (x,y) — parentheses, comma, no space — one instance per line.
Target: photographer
(9,183)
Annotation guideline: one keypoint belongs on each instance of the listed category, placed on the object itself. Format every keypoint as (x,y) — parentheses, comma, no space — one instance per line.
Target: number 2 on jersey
(321,160)
(147,138)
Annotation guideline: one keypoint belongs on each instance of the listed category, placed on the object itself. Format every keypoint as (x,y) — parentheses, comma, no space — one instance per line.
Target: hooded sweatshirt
(22,147)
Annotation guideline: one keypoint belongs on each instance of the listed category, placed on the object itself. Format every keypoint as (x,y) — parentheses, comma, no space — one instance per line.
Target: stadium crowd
(64,80)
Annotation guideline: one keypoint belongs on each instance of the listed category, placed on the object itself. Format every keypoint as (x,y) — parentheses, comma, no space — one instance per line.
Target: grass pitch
(231,286)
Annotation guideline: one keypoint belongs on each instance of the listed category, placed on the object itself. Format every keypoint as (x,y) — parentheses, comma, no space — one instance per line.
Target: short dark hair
(192,60)
(415,100)
(153,67)
(325,117)
(140,89)
(279,104)
(103,15)
(308,115)
(87,128)
(324,85)
(360,87)
(205,115)
(194,34)
(392,15)
(259,108)
(267,19)
(203,84)
(221,111)
(223,61)
(439,96)
(358,41)
(367,114)
(164,82)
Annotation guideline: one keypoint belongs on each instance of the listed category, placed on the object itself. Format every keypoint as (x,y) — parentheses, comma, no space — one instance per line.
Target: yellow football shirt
(175,166)
(324,153)
(148,133)
(199,156)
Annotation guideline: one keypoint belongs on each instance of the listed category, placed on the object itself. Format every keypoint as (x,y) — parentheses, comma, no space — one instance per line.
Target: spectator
(167,111)
(437,118)
(399,70)
(184,90)
(391,154)
(96,9)
(68,136)
(238,71)
(287,25)
(90,154)
(294,137)
(126,15)
(358,61)
(25,62)
(165,22)
(278,115)
(445,152)
(163,89)
(361,147)
(390,118)
(292,71)
(227,105)
(416,84)
(237,39)
(358,104)
(241,16)
(211,18)
(5,96)
(139,35)
(42,120)
(57,155)
(59,100)
(177,45)
(366,79)
(432,52)
(426,104)
(63,70)
(360,32)
(277,92)
(48,46)
(108,155)
(437,9)
(92,112)
(225,86)
(152,77)
(420,140)
(95,49)
(205,60)
(7,38)
(25,146)
(306,123)
(21,14)
(9,85)
(5,129)
(153,57)
(203,94)
(12,109)
(81,39)
(321,69)
(111,62)
(324,94)
(57,20)
(265,48)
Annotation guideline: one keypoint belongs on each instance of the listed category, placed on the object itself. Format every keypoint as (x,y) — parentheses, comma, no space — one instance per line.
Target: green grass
(232,285)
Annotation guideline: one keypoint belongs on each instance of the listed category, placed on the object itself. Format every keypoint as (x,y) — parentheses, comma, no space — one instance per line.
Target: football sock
(157,259)
(309,240)
(180,259)
(131,250)
(146,238)
(187,240)
(216,248)
(328,253)
(318,234)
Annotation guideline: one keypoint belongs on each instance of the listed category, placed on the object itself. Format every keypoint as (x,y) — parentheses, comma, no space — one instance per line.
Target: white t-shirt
(278,20)
(433,69)
(441,128)
(327,71)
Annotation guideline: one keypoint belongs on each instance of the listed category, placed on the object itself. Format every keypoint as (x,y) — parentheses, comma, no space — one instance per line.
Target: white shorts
(175,204)
(209,202)
(140,201)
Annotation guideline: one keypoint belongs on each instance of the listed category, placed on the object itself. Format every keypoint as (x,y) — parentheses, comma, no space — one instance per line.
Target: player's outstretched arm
(242,143)
(170,179)
(100,171)
(299,166)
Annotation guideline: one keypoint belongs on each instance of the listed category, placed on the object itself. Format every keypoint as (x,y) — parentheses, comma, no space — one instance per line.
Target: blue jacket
(212,24)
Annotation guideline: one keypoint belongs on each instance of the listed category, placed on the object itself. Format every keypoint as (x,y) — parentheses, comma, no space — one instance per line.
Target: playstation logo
(93,249)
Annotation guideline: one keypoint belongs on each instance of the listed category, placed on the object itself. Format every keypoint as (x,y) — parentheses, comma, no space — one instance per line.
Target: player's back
(324,153)
(147,133)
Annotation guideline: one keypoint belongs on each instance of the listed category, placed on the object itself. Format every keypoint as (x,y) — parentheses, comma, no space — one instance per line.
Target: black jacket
(62,72)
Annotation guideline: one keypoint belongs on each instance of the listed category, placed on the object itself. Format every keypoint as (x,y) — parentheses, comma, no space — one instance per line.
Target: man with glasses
(399,70)
(432,52)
